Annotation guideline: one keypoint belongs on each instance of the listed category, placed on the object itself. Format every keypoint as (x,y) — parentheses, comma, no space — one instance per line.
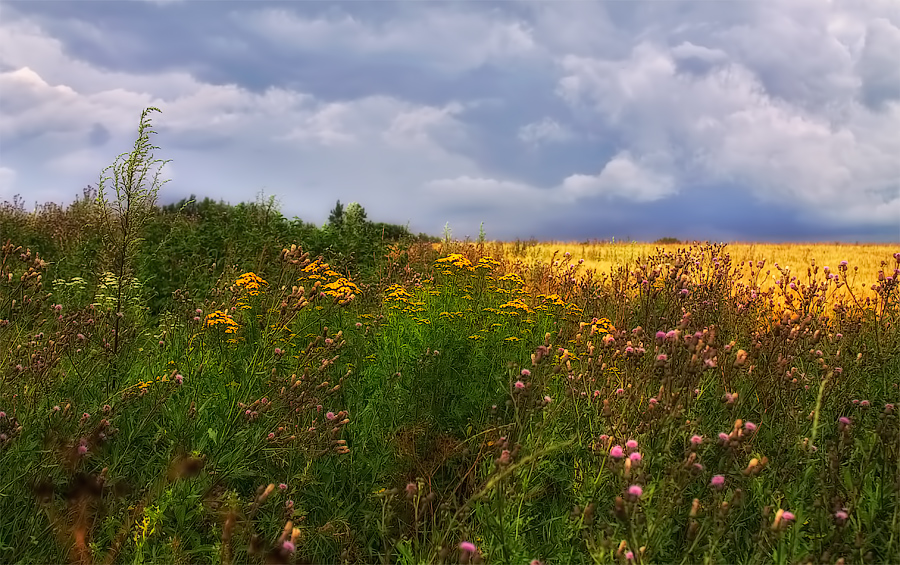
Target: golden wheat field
(864,260)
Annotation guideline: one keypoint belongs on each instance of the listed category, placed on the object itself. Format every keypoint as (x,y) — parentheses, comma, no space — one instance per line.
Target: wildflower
(282,486)
(696,440)
(179,378)
(548,400)
(723,437)
(2,415)
(330,416)
(629,556)
(631,444)
(863,403)
(271,436)
(717,482)
(635,491)
(841,516)
(289,546)
(787,516)
(653,402)
(467,547)
(526,373)
(620,391)
(616,452)
(520,385)
(635,457)
(750,426)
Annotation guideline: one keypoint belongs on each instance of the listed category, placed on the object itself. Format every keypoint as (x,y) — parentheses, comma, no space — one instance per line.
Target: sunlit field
(867,259)
(193,385)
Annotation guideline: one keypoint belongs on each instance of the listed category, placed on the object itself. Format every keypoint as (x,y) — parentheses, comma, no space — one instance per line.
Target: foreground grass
(459,410)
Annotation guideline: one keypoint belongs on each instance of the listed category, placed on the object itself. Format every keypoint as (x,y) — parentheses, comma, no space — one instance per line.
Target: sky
(726,120)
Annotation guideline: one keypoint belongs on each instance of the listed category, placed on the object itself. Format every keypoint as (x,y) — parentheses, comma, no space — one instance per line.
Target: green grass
(389,427)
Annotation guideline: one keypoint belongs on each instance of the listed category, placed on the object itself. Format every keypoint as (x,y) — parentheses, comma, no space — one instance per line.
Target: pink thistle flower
(282,486)
(841,516)
(717,482)
(271,435)
(179,378)
(620,391)
(864,403)
(635,490)
(662,357)
(548,400)
(330,415)
(636,456)
(519,385)
(844,420)
(696,440)
(467,547)
(787,516)
(750,426)
(83,448)
(629,556)
(723,437)
(631,444)
(526,373)
(616,452)
(2,414)
(289,546)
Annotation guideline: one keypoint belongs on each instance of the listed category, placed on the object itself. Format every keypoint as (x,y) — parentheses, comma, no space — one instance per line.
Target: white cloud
(547,130)
(621,177)
(448,40)
(723,126)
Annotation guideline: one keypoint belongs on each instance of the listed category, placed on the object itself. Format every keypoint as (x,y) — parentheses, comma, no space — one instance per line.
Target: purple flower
(631,444)
(750,426)
(636,456)
(282,486)
(289,546)
(787,516)
(723,437)
(467,547)
(841,515)
(635,490)
(526,373)
(696,440)
(330,415)
(844,420)
(616,452)
(718,481)
(519,385)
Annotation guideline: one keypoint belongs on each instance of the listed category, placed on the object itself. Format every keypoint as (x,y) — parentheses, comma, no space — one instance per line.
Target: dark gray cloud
(740,120)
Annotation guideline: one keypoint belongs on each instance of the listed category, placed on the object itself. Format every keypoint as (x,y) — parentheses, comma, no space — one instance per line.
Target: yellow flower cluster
(251,282)
(457,260)
(462,263)
(515,306)
(146,384)
(399,298)
(221,318)
(332,282)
